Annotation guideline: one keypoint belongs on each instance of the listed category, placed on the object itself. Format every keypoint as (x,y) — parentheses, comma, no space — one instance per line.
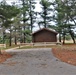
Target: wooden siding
(44,36)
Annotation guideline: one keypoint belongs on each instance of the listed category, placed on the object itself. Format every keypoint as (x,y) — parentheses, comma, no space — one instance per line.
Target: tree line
(19,19)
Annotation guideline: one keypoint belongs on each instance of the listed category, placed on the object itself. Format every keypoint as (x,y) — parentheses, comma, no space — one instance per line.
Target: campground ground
(36,61)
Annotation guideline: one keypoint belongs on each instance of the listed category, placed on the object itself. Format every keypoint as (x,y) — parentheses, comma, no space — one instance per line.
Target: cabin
(44,35)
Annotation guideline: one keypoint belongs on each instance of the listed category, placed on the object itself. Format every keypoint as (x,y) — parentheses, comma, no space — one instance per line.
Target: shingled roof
(50,30)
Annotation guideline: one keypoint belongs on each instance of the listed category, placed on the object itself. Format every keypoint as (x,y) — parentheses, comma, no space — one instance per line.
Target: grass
(28,47)
(8,47)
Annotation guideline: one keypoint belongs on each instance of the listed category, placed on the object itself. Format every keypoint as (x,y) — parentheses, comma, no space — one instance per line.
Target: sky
(37,5)
(10,0)
(37,9)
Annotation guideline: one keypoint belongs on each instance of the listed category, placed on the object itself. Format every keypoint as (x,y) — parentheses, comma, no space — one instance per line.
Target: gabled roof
(45,29)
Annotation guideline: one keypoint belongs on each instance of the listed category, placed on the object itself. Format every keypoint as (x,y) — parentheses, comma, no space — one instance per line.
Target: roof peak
(48,29)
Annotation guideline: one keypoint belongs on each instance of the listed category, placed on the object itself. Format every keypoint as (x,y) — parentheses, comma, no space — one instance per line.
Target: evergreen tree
(24,17)
(8,12)
(45,13)
(62,17)
(32,13)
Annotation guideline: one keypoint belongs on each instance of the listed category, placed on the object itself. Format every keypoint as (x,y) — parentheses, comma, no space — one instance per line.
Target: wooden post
(44,44)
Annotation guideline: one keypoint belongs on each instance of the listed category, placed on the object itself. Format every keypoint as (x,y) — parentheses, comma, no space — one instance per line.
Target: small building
(44,35)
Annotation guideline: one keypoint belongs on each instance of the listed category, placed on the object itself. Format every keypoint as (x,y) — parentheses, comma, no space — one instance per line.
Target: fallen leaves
(66,54)
(4,56)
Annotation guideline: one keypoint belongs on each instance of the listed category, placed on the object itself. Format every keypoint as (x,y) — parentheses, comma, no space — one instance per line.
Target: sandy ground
(35,62)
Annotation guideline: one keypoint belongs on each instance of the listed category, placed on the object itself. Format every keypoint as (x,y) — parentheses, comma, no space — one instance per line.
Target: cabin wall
(44,36)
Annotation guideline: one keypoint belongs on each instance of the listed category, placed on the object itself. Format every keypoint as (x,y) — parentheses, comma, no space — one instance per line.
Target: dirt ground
(66,53)
(35,61)
(4,56)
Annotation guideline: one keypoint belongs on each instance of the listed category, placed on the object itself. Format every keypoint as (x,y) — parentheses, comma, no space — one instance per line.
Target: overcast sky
(37,7)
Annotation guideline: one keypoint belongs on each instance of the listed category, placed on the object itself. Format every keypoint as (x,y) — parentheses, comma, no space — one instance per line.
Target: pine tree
(32,13)
(8,12)
(64,16)
(45,13)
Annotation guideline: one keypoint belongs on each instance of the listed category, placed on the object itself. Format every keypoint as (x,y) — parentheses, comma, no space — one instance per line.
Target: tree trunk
(3,37)
(45,21)
(72,36)
(23,4)
(15,37)
(31,24)
(59,37)
(10,38)
(63,38)
(31,19)
(24,39)
(15,40)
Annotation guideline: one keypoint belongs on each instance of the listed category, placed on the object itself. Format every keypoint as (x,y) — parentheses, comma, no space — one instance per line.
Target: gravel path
(35,62)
